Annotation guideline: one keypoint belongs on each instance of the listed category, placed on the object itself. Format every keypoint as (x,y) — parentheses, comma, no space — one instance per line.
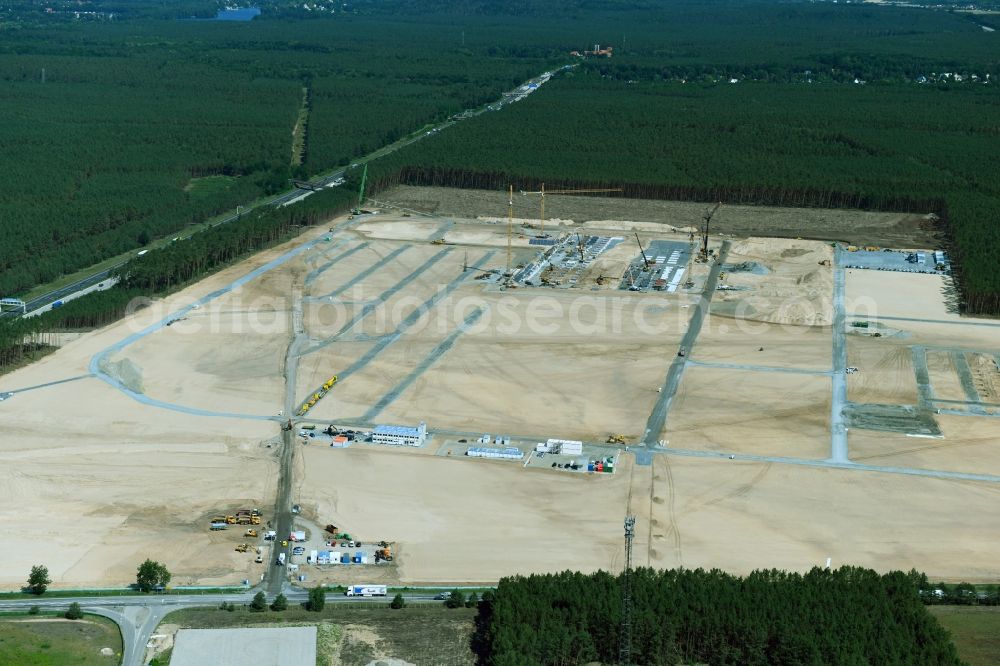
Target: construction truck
(616,439)
(250,533)
(242,548)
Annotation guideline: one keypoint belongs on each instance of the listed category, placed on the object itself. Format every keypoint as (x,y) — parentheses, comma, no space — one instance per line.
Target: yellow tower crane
(542,194)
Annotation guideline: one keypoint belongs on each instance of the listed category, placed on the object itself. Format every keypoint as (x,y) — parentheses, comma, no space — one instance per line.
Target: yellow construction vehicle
(383,552)
(242,548)
(616,439)
(872,248)
(438,241)
(250,533)
(230,520)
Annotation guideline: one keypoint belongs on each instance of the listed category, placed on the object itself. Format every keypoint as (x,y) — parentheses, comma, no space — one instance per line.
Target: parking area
(291,646)
(312,548)
(904,261)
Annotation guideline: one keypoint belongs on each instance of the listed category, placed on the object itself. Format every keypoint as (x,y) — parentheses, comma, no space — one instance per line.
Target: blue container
(345,558)
(590,467)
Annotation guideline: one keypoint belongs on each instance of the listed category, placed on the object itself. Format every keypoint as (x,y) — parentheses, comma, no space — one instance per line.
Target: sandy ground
(871,294)
(463,520)
(95,482)
(726,339)
(796,288)
(858,227)
(968,445)
(944,378)
(109,483)
(742,516)
(751,412)
(886,376)
(527,369)
(733,515)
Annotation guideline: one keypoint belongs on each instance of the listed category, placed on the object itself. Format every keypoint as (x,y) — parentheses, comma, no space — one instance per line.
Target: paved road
(137,616)
(838,429)
(759,368)
(284,198)
(275,576)
(658,418)
(360,277)
(422,367)
(995,324)
(830,464)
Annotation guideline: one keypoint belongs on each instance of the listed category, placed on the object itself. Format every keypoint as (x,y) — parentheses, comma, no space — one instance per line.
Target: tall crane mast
(707,217)
(645,259)
(542,194)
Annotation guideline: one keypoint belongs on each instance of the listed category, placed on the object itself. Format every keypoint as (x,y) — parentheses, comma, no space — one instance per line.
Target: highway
(319,182)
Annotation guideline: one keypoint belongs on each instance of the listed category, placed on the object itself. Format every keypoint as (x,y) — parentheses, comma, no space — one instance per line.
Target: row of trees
(895,148)
(149,576)
(847,616)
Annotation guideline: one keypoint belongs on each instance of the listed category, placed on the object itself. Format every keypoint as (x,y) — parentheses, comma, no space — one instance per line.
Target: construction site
(374,388)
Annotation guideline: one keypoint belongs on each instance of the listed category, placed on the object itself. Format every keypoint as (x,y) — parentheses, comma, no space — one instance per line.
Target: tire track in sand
(673,528)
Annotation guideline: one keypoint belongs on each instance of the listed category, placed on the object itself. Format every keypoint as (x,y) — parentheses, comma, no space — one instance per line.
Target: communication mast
(625,644)
(510,229)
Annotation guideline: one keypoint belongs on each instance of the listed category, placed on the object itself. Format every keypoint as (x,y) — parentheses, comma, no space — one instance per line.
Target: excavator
(616,439)
(383,552)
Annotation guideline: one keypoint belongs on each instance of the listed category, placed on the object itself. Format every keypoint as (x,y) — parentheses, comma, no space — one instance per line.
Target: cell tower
(625,645)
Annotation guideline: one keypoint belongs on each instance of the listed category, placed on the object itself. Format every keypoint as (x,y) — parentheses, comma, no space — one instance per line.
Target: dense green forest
(870,107)
(120,131)
(109,127)
(769,618)
(891,146)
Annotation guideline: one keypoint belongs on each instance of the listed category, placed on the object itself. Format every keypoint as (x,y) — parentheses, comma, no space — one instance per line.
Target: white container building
(400,435)
(508,453)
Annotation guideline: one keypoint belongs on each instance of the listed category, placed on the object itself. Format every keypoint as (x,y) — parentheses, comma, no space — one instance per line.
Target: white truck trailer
(366,590)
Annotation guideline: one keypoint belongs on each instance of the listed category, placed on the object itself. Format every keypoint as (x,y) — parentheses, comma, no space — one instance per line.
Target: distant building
(400,435)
